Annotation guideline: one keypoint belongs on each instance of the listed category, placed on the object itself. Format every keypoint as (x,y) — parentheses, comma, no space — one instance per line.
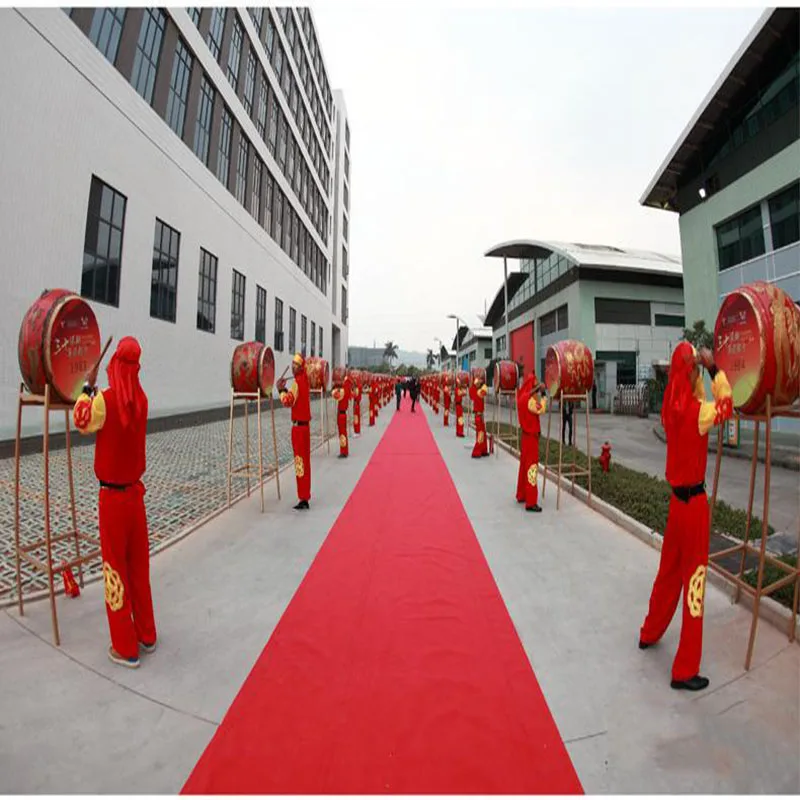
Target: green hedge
(784,595)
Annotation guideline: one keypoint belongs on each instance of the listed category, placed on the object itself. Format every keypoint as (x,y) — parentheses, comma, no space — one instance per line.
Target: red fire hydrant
(605,457)
(71,588)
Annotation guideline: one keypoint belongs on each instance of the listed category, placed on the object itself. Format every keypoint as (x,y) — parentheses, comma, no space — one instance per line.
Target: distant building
(626,305)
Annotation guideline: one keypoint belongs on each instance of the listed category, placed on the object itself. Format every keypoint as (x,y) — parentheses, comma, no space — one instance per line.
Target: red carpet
(396,667)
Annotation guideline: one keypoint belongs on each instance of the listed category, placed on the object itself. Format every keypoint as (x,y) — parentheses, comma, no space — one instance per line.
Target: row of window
(556,320)
(262,106)
(742,238)
(234,161)
(102,259)
(541,273)
(611,310)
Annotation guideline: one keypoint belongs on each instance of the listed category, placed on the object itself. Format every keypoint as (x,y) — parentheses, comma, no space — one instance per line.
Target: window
(215,30)
(740,239)
(194,15)
(148,51)
(347,166)
(268,202)
(102,244)
(321,354)
(269,36)
(257,15)
(263,98)
(344,305)
(202,131)
(179,88)
(292,329)
(261,314)
(237,306)
(313,338)
(277,60)
(345,228)
(303,334)
(277,216)
(562,317)
(235,54)
(669,321)
(288,219)
(255,202)
(249,83)
(346,198)
(784,217)
(106,31)
(281,156)
(241,169)
(487,353)
(224,156)
(278,325)
(207,292)
(621,312)
(164,277)
(272,131)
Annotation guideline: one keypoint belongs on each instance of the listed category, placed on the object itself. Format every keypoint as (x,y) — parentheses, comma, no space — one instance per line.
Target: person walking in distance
(569,407)
(530,406)
(298,398)
(477,392)
(118,415)
(414,389)
(398,391)
(687,417)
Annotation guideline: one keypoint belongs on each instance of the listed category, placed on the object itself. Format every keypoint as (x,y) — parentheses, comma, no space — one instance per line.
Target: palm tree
(390,351)
(430,359)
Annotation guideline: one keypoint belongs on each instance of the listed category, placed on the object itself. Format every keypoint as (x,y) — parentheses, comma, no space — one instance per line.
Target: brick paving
(186,481)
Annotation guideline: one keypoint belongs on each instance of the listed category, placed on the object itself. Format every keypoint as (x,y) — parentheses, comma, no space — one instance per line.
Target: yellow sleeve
(483,391)
(715,412)
(537,405)
(89,413)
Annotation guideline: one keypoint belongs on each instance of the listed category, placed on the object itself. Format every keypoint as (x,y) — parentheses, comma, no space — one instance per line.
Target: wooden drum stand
(575,471)
(247,469)
(746,548)
(323,419)
(30,553)
(512,437)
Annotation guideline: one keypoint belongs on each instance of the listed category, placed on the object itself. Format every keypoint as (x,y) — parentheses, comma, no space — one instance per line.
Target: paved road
(635,445)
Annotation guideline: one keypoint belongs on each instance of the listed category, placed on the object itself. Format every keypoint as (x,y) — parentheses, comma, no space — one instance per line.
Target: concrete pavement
(576,587)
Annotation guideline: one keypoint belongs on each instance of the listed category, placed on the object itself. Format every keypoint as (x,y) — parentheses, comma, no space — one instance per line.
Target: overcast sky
(470,127)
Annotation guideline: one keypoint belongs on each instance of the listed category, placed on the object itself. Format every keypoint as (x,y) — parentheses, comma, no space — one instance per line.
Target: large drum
(477,372)
(319,374)
(506,376)
(338,376)
(568,368)
(59,343)
(757,344)
(252,368)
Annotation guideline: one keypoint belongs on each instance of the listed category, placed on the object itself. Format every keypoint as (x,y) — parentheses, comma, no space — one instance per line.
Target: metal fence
(632,400)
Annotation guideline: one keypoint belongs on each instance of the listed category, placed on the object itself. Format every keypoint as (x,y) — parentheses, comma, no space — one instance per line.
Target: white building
(187,171)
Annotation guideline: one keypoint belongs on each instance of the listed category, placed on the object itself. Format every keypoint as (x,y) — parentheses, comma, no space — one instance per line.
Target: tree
(430,359)
(699,336)
(390,351)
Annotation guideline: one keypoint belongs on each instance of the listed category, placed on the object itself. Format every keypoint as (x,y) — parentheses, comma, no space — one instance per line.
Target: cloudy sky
(473,126)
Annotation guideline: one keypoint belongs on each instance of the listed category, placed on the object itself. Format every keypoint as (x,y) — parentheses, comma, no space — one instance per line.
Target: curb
(778,459)
(769,610)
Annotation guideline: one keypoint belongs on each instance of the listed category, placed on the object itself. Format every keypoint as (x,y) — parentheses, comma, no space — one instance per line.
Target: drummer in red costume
(299,400)
(374,393)
(530,406)
(446,402)
(342,396)
(356,389)
(118,415)
(460,394)
(687,418)
(477,392)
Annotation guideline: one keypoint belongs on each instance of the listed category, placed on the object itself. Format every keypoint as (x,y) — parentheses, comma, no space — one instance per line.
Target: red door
(522,348)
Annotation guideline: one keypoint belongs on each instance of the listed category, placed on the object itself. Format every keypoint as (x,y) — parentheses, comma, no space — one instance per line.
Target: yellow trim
(536,405)
(715,412)
(97,413)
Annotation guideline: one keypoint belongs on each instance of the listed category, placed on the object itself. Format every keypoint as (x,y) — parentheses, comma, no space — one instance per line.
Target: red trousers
(527,479)
(372,414)
(301,445)
(459,420)
(480,448)
(126,569)
(357,418)
(446,411)
(684,561)
(341,418)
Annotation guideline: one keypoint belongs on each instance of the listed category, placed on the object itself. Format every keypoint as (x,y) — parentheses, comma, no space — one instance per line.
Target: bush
(784,595)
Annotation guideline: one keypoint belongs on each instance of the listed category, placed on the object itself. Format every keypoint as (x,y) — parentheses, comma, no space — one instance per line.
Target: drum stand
(247,469)
(27,552)
(746,548)
(323,419)
(512,437)
(575,471)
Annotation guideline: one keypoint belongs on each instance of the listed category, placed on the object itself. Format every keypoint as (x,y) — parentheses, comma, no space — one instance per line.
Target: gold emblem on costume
(461,420)
(480,437)
(533,473)
(342,441)
(696,592)
(114,589)
(299,467)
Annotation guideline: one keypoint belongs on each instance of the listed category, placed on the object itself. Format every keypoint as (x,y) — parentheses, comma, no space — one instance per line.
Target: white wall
(74,116)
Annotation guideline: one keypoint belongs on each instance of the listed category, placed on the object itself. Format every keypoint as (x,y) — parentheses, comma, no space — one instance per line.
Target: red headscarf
(679,394)
(123,377)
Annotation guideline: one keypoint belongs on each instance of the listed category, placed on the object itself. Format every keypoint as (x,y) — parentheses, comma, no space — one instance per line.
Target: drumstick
(99,361)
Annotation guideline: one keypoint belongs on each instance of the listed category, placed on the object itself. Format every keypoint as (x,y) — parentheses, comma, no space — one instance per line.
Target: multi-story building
(187,172)
(626,305)
(474,347)
(733,176)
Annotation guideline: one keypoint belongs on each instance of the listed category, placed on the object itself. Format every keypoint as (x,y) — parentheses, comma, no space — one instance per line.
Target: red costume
(529,408)
(118,415)
(357,408)
(687,418)
(342,396)
(299,400)
(374,396)
(460,411)
(446,403)
(477,392)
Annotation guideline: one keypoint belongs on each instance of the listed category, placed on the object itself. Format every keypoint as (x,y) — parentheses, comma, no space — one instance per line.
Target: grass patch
(784,595)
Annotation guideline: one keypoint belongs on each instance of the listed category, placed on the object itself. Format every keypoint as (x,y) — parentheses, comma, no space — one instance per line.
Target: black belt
(298,422)
(117,487)
(342,413)
(479,414)
(686,493)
